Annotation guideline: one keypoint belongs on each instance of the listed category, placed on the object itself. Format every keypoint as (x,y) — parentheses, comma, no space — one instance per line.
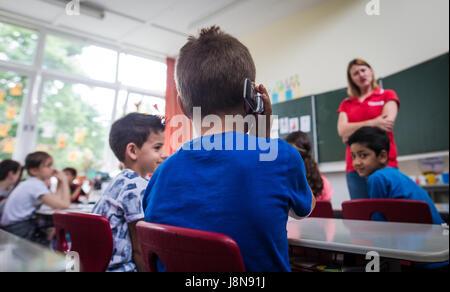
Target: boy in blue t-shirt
(369,148)
(227,181)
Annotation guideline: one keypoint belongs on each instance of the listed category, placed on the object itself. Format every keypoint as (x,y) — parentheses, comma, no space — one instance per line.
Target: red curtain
(177,133)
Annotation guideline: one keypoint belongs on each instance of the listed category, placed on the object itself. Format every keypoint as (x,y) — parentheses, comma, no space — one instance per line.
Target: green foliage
(17,44)
(61,105)
(6,79)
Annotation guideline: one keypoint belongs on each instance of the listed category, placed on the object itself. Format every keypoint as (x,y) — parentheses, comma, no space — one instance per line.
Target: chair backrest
(188,250)
(323,209)
(395,210)
(90,237)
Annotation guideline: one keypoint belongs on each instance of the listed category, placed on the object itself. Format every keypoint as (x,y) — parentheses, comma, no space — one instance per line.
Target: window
(81,59)
(142,73)
(74,124)
(13,88)
(17,44)
(134,102)
(69,120)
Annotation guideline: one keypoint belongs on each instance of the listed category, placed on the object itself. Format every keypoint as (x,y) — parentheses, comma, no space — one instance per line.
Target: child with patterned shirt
(137,140)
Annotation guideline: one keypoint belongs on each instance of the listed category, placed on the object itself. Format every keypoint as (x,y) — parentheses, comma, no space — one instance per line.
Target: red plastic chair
(90,236)
(323,209)
(188,250)
(395,210)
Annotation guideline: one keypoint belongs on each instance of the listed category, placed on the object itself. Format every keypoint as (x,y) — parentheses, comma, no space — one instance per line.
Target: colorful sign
(286,90)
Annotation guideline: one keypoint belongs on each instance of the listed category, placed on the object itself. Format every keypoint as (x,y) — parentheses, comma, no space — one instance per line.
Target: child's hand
(267,110)
(61,176)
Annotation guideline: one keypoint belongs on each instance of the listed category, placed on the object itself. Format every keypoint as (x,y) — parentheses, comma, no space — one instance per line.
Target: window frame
(38,75)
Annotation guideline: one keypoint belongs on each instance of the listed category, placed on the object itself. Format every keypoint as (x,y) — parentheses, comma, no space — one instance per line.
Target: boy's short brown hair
(211,71)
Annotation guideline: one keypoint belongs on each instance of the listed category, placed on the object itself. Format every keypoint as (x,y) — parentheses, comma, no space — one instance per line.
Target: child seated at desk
(369,148)
(137,140)
(26,198)
(10,173)
(76,190)
(233,188)
(319,184)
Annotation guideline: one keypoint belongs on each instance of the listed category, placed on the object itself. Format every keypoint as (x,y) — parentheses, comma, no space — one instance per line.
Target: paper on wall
(48,130)
(293,125)
(284,126)
(305,124)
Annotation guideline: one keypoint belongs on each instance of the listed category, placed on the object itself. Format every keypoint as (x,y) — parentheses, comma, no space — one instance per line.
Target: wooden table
(404,241)
(20,255)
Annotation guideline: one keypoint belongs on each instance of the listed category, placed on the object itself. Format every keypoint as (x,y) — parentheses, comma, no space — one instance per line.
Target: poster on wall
(305,124)
(293,125)
(285,90)
(284,126)
(275,128)
(48,130)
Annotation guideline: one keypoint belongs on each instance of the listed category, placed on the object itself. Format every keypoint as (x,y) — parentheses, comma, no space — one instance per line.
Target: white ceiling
(159,27)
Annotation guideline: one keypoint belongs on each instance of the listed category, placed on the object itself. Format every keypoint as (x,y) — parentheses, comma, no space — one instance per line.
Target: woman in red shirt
(368,105)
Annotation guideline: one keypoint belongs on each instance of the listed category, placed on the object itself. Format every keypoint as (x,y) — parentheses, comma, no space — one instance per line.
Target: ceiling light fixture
(85,8)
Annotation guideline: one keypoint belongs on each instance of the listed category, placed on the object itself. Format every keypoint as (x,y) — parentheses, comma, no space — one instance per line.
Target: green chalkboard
(331,147)
(422,123)
(295,109)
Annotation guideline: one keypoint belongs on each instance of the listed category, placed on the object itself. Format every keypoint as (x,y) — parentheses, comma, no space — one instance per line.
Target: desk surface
(20,255)
(81,208)
(412,242)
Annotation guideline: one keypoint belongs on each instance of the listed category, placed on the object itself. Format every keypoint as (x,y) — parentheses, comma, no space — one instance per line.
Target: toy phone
(253,98)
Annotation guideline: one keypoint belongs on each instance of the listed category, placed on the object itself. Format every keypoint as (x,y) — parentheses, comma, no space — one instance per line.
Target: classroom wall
(317,44)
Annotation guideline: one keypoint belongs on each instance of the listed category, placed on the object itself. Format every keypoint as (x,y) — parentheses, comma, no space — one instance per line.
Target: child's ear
(131,151)
(32,171)
(383,157)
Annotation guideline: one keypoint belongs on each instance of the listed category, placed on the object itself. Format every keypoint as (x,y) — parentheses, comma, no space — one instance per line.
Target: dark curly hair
(301,142)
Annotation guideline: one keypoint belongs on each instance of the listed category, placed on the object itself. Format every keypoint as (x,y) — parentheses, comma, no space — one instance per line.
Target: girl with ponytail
(319,184)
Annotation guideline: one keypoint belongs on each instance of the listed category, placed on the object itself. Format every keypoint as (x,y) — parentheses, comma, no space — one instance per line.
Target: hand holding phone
(259,103)
(253,98)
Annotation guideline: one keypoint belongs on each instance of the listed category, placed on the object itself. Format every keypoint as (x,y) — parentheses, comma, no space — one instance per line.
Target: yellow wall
(318,43)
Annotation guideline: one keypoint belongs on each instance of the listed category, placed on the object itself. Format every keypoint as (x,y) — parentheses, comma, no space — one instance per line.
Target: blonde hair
(353,89)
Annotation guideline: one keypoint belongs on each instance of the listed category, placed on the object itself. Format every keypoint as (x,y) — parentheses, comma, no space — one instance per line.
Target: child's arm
(137,252)
(91,189)
(75,194)
(60,200)
(377,187)
(313,205)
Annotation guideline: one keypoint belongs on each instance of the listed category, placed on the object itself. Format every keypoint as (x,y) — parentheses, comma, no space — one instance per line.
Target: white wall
(318,44)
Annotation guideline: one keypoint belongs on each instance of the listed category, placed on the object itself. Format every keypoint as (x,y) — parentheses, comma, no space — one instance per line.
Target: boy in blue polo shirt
(369,148)
(227,181)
